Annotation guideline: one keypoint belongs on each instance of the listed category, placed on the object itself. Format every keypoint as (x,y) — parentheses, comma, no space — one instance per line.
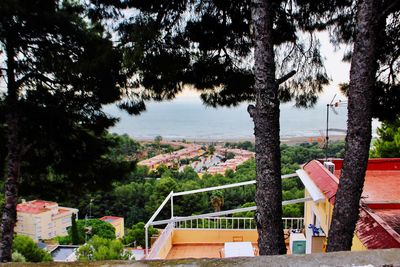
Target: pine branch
(285,77)
(37,76)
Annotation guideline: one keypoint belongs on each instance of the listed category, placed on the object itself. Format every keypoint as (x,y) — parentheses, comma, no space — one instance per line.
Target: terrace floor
(198,251)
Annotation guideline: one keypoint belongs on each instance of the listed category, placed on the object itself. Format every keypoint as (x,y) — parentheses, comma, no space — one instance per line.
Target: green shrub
(27,248)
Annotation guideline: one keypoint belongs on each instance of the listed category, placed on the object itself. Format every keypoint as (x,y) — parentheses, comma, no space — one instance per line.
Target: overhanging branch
(37,76)
(285,77)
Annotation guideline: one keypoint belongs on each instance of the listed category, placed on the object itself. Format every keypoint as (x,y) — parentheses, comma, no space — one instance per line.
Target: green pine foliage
(74,230)
(388,143)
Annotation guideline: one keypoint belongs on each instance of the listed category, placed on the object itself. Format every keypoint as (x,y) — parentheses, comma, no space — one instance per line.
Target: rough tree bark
(266,130)
(13,160)
(358,138)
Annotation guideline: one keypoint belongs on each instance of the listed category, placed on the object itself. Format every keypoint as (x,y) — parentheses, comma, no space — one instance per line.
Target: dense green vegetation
(98,248)
(137,196)
(139,192)
(86,229)
(26,247)
(136,235)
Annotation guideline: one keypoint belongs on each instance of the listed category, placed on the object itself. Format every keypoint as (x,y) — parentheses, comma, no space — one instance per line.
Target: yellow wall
(357,245)
(43,225)
(307,210)
(324,211)
(187,236)
(119,227)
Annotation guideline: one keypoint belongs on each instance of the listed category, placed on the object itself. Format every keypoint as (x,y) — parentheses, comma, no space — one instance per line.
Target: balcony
(205,237)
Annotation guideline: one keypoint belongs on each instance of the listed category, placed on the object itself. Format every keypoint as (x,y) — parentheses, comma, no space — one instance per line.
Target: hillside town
(201,159)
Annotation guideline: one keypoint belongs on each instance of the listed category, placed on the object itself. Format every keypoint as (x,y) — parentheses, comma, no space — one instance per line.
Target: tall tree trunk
(13,159)
(266,129)
(358,138)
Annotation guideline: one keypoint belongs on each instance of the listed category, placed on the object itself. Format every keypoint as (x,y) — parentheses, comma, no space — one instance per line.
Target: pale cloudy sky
(337,70)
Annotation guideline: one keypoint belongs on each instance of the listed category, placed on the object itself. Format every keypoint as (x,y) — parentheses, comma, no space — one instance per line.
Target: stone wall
(384,258)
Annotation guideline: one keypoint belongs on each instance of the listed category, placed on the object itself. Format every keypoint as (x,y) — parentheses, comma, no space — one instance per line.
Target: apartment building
(41,219)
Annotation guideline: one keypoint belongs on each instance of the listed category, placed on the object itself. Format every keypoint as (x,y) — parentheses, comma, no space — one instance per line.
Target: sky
(337,70)
(187,117)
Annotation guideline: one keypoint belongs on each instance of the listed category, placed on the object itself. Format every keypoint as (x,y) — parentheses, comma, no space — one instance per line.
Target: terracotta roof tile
(322,178)
(374,232)
(379,223)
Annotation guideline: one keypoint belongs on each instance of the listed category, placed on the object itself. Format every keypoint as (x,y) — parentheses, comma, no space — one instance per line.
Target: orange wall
(190,236)
(163,253)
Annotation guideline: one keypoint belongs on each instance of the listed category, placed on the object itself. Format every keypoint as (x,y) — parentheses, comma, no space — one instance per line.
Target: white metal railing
(293,223)
(173,219)
(160,242)
(146,227)
(236,223)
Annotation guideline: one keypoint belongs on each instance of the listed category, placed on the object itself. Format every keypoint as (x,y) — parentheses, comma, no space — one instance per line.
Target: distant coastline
(284,140)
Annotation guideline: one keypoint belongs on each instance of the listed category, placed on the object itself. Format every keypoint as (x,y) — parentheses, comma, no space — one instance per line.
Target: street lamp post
(331,105)
(327,130)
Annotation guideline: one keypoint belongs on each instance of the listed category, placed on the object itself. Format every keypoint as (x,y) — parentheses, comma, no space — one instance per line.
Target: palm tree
(217,200)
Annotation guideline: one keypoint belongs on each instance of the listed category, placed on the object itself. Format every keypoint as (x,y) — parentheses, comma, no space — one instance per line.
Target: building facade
(117,223)
(41,220)
(379,223)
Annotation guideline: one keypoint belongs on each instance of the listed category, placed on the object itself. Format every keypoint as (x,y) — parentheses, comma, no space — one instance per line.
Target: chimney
(330,166)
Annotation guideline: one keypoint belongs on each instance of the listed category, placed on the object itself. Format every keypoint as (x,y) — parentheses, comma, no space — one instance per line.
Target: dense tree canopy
(138,197)
(93,227)
(60,67)
(208,44)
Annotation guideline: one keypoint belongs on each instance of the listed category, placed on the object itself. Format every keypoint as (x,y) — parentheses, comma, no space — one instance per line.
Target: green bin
(299,247)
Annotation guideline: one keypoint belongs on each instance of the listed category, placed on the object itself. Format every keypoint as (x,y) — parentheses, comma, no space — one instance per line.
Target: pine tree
(209,45)
(74,230)
(375,28)
(60,67)
(388,143)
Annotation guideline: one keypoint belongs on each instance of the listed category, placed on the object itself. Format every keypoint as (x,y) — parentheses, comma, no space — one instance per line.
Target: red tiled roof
(35,206)
(381,186)
(322,178)
(380,173)
(379,223)
(390,215)
(374,232)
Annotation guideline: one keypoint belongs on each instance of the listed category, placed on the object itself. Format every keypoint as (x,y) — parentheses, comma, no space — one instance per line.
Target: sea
(191,120)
